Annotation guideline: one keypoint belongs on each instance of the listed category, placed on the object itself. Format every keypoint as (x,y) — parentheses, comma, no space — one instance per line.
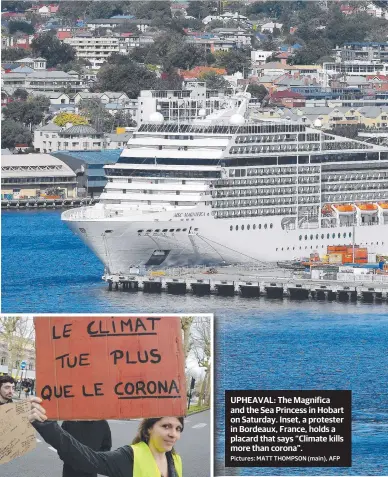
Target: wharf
(254,283)
(39,203)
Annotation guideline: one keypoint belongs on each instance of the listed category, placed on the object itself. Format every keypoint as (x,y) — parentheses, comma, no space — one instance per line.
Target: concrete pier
(253,283)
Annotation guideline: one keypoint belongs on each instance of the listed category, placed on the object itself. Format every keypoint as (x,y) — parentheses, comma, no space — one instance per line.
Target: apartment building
(335,70)
(362,51)
(94,49)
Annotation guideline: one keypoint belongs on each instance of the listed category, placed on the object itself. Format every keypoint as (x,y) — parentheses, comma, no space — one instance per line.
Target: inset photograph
(106,395)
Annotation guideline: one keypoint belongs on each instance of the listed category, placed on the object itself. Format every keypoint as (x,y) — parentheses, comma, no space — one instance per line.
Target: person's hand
(37,412)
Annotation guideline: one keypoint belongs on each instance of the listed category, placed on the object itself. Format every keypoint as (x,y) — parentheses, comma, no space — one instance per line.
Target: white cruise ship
(222,190)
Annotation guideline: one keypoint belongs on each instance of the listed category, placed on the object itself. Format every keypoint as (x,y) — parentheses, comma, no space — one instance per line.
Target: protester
(7,388)
(94,434)
(151,454)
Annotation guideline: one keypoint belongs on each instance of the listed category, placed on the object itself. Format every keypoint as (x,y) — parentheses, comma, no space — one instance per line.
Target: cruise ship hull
(124,244)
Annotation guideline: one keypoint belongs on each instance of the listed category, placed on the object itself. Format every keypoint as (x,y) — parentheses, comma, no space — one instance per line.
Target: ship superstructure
(220,190)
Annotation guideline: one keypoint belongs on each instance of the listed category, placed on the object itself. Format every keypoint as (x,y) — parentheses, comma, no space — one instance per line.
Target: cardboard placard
(17,436)
(110,367)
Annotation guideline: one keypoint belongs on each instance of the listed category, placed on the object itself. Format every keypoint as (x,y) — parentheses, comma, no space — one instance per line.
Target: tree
(103,9)
(11,6)
(13,54)
(214,80)
(13,132)
(24,27)
(201,347)
(70,11)
(77,65)
(48,46)
(97,115)
(257,91)
(20,94)
(153,10)
(17,333)
(120,73)
(75,119)
(201,10)
(27,113)
(234,60)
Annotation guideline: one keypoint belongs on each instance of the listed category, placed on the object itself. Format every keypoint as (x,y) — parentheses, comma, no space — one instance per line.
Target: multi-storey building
(94,49)
(362,51)
(335,70)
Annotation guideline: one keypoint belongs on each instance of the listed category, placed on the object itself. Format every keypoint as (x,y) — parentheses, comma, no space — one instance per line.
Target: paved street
(194,447)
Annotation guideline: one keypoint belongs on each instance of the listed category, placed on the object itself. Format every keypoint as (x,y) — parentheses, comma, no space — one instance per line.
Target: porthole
(195,230)
(171,230)
(178,230)
(322,236)
(328,236)
(350,234)
(305,237)
(149,230)
(344,234)
(242,227)
(339,235)
(254,226)
(288,248)
(282,249)
(248,227)
(265,226)
(311,237)
(270,226)
(236,227)
(231,227)
(184,230)
(277,249)
(293,248)
(317,237)
(333,235)
(140,231)
(300,237)
(260,226)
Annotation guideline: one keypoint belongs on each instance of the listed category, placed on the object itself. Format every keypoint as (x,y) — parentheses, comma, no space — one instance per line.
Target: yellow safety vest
(144,464)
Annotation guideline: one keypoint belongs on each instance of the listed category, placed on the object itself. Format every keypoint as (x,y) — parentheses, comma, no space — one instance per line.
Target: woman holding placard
(151,454)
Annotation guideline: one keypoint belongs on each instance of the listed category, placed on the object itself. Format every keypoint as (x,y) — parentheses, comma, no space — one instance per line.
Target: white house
(51,138)
(259,57)
(271,26)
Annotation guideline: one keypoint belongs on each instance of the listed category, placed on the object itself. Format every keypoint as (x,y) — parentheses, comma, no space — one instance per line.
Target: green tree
(75,119)
(201,10)
(12,54)
(97,115)
(77,65)
(20,94)
(214,81)
(48,46)
(153,10)
(11,6)
(120,73)
(257,91)
(70,11)
(234,60)
(103,9)
(41,102)
(27,113)
(24,27)
(13,132)
(310,54)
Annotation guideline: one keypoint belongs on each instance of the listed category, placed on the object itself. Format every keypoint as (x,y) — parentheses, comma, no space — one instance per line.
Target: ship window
(300,237)
(322,236)
(282,249)
(195,230)
(311,237)
(293,248)
(178,230)
(236,227)
(184,230)
(254,226)
(317,237)
(350,234)
(171,230)
(345,235)
(124,191)
(333,235)
(270,226)
(242,227)
(277,249)
(140,231)
(164,230)
(231,227)
(157,230)
(305,237)
(328,236)
(265,226)
(259,226)
(149,230)
(248,227)
(339,235)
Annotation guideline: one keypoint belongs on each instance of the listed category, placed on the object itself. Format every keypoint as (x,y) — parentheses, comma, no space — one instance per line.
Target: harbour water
(260,343)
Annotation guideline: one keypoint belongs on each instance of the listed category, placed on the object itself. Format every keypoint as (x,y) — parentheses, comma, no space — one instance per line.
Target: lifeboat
(344,209)
(367,208)
(383,205)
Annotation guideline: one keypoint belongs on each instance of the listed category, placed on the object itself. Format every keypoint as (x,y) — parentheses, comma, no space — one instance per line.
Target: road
(194,448)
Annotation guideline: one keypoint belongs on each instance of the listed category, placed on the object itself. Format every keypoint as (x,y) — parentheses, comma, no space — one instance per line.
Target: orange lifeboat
(344,209)
(367,208)
(383,205)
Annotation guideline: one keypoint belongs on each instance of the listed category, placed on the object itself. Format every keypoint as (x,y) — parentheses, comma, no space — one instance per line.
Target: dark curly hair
(6,379)
(146,424)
